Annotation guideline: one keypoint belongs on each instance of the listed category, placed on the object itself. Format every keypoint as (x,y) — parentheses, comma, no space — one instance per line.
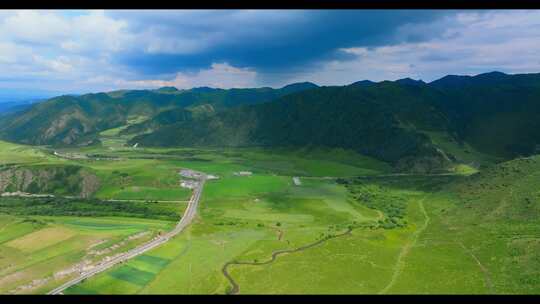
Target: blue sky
(87,51)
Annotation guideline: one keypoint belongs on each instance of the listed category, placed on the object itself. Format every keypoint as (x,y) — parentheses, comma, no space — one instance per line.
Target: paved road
(186,219)
(143,201)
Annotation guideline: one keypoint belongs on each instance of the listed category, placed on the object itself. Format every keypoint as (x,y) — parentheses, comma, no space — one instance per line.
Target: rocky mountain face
(48,179)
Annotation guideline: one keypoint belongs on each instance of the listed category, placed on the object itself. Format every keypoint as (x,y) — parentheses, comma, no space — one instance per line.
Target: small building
(209,176)
(190,173)
(243,173)
(190,184)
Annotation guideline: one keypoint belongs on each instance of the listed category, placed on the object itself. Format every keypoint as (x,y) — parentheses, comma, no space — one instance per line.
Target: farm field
(148,175)
(38,252)
(401,229)
(341,229)
(270,214)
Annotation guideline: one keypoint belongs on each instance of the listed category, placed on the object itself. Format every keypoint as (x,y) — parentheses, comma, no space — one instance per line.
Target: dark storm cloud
(95,50)
(264,40)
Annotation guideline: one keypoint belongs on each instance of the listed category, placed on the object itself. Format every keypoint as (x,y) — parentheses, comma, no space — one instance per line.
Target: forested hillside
(401,122)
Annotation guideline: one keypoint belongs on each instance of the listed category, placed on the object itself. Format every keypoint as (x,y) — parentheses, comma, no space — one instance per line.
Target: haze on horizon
(89,51)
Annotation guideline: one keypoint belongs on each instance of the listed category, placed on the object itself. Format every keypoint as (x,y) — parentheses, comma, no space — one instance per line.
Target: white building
(243,173)
(189,184)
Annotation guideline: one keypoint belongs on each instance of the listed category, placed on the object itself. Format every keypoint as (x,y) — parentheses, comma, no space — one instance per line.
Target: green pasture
(475,232)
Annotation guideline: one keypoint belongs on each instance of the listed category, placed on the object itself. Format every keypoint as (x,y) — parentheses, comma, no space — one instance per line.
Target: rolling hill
(76,120)
(399,122)
(409,123)
(349,117)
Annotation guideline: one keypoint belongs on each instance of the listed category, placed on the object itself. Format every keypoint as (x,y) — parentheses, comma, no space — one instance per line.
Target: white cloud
(47,48)
(219,75)
(61,64)
(73,51)
(35,27)
(94,30)
(9,52)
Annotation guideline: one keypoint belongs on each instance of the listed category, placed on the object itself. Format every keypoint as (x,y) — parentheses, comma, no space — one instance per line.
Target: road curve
(186,219)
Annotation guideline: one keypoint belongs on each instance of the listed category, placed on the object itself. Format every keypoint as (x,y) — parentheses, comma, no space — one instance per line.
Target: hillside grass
(465,154)
(20,154)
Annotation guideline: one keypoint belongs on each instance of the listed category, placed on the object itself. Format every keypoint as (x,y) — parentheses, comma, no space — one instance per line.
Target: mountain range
(408,123)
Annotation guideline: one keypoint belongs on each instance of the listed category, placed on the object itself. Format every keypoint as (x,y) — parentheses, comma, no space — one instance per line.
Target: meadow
(350,226)
(407,234)
(242,217)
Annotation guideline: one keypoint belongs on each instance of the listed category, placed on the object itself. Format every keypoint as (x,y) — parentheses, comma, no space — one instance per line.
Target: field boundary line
(487,276)
(185,220)
(398,268)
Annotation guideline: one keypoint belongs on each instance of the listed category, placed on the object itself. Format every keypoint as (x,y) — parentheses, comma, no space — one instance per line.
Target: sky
(101,50)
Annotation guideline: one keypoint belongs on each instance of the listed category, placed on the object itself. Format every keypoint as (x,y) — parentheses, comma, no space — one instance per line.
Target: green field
(342,230)
(39,248)
(404,228)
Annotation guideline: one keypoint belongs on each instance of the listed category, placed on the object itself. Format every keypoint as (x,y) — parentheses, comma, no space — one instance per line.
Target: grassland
(16,154)
(466,155)
(237,213)
(243,224)
(242,217)
(472,232)
(112,140)
(410,234)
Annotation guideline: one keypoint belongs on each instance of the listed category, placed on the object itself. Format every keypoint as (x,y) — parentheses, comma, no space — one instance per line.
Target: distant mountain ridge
(495,113)
(401,122)
(15,106)
(76,120)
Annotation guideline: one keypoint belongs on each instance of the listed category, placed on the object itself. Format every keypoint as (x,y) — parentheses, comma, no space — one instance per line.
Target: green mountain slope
(63,120)
(506,191)
(409,123)
(378,121)
(494,216)
(70,120)
(494,112)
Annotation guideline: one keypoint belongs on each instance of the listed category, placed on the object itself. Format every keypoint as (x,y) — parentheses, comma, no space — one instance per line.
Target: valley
(322,150)
(409,204)
(350,226)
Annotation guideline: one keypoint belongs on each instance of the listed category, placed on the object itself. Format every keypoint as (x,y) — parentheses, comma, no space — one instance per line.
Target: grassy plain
(472,232)
(237,213)
(242,216)
(411,234)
